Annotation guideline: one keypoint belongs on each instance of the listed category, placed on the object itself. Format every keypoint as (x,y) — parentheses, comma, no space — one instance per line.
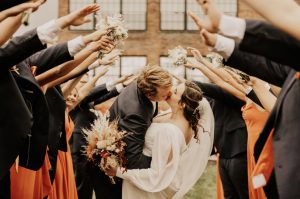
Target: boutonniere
(297,75)
(15,69)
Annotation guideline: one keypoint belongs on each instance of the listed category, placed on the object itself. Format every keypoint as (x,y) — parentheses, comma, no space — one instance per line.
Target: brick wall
(154,42)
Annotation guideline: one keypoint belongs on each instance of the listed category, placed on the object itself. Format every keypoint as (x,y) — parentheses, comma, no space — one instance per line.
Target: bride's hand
(111,171)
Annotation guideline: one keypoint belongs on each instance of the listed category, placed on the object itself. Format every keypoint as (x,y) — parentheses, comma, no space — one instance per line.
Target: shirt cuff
(47,32)
(75,45)
(94,65)
(224,46)
(232,27)
(119,87)
(110,86)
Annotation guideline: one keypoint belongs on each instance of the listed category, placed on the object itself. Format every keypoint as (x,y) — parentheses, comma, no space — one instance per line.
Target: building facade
(154,27)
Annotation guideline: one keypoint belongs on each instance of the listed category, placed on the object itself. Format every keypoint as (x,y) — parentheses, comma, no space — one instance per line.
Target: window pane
(172,14)
(132,64)
(229,7)
(76,4)
(134,12)
(109,7)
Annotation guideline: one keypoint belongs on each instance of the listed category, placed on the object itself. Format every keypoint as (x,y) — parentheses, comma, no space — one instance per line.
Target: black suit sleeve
(107,96)
(50,57)
(215,92)
(263,39)
(19,48)
(96,93)
(259,66)
(137,127)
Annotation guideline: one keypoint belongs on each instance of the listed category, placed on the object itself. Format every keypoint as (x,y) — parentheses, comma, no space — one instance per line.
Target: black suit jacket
(230,128)
(135,113)
(284,116)
(33,151)
(263,39)
(15,117)
(19,48)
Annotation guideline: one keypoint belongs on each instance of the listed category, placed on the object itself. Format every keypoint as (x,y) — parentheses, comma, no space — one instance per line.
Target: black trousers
(5,187)
(233,172)
(89,177)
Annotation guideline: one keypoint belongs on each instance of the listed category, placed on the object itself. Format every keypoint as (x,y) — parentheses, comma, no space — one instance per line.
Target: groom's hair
(153,77)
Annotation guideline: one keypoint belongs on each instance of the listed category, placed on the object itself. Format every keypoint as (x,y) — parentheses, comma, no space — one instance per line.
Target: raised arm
(85,90)
(16,10)
(214,77)
(266,98)
(283,14)
(9,26)
(36,39)
(67,70)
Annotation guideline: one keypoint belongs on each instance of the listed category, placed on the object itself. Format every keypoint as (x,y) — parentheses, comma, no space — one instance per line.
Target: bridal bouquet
(119,32)
(178,55)
(105,147)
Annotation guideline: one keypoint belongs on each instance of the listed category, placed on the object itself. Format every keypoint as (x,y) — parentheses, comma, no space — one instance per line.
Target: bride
(179,148)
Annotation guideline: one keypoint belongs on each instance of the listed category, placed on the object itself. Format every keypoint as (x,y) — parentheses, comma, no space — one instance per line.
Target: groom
(134,108)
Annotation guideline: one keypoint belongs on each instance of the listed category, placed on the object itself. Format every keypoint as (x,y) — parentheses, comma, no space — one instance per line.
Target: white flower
(119,33)
(101,144)
(178,55)
(111,147)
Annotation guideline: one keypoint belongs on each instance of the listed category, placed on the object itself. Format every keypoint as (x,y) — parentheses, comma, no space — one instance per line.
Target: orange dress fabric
(64,186)
(265,162)
(30,184)
(255,121)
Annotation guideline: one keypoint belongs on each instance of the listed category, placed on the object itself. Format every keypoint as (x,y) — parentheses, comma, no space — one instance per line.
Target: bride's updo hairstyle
(191,97)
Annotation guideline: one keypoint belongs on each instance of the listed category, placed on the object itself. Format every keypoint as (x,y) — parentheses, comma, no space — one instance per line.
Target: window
(126,65)
(77,4)
(132,64)
(173,13)
(133,11)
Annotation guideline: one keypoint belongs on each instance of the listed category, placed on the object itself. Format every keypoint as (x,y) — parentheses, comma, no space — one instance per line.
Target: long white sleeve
(48,32)
(232,27)
(166,152)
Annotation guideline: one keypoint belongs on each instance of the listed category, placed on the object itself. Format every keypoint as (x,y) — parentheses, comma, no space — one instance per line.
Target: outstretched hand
(209,39)
(79,17)
(212,16)
(196,53)
(110,58)
(13,11)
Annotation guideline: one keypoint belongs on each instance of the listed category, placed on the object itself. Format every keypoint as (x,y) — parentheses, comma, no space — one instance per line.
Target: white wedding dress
(175,166)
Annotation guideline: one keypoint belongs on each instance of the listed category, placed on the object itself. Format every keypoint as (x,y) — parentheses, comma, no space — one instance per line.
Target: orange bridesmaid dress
(30,184)
(64,186)
(255,121)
